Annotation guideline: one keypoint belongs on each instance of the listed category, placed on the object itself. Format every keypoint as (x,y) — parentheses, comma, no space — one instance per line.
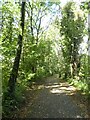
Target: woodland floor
(52,98)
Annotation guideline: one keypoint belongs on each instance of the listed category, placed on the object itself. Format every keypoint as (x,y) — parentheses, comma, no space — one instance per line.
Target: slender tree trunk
(14,72)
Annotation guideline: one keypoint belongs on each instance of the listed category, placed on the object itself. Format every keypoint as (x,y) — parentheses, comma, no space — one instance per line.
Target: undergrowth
(81,84)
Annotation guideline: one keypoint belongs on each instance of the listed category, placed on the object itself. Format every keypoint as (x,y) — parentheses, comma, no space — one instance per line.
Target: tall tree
(36,14)
(14,72)
(72,26)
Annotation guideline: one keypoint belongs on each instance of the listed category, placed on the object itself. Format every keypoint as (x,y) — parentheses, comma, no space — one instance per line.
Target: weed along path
(53,99)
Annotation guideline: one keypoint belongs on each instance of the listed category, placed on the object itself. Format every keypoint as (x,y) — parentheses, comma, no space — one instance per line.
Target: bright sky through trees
(63,2)
(84,44)
(48,18)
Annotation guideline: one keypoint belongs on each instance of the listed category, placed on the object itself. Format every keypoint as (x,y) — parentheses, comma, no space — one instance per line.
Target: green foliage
(72,32)
(9,105)
(10,17)
(80,84)
(45,51)
(85,5)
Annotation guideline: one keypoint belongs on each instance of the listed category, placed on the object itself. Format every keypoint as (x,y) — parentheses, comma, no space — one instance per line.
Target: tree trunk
(14,72)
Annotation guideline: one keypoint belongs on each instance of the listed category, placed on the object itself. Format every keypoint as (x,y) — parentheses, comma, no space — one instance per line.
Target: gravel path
(54,99)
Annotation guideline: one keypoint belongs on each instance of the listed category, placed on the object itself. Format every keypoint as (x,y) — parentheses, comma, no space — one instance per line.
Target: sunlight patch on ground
(40,86)
(57,91)
(78,116)
(52,86)
(56,88)
(62,88)
(70,88)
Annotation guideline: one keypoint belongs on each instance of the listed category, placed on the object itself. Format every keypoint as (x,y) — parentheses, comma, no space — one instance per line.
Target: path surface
(54,99)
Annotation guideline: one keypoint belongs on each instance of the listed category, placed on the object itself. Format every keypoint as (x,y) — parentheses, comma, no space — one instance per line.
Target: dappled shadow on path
(55,85)
(53,98)
(62,88)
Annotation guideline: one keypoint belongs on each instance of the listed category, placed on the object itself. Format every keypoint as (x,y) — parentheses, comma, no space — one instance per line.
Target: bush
(80,85)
